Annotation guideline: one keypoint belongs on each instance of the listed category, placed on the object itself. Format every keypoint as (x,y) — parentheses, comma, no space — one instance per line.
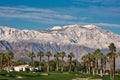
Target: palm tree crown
(31,56)
(40,54)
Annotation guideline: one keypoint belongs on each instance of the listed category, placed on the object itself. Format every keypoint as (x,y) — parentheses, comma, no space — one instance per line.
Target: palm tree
(52,64)
(103,60)
(62,55)
(43,65)
(57,55)
(9,56)
(31,56)
(70,56)
(85,59)
(89,62)
(93,59)
(111,56)
(48,54)
(97,54)
(1,60)
(40,55)
(75,65)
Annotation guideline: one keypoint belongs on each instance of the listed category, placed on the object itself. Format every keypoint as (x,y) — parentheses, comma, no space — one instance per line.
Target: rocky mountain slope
(70,38)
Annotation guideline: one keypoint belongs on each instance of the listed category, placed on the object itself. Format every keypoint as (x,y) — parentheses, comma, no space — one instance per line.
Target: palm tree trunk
(111,71)
(104,67)
(97,67)
(48,65)
(93,68)
(84,68)
(62,68)
(8,65)
(87,65)
(101,68)
(70,66)
(76,68)
(40,64)
(32,62)
(1,64)
(57,65)
(112,67)
(51,68)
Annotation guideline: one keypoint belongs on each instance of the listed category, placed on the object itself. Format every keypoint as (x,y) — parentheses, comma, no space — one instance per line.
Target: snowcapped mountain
(71,38)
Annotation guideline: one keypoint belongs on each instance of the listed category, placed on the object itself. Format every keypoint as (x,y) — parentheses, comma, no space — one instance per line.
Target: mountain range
(71,38)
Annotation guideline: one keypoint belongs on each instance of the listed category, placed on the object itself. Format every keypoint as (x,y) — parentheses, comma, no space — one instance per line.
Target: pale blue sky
(43,14)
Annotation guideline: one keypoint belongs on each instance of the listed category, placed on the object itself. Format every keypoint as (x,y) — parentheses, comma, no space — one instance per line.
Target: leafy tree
(48,54)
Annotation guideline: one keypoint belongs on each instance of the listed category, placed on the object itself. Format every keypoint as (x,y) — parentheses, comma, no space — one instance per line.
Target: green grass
(51,76)
(117,77)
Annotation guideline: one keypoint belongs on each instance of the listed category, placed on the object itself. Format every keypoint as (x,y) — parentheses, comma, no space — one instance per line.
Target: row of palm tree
(56,59)
(94,62)
(91,61)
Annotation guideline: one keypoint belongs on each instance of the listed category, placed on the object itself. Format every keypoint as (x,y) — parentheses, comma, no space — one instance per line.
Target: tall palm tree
(89,62)
(97,54)
(40,55)
(52,64)
(9,56)
(70,56)
(57,55)
(93,59)
(103,60)
(111,55)
(1,60)
(62,55)
(43,65)
(48,54)
(85,59)
(31,56)
(75,65)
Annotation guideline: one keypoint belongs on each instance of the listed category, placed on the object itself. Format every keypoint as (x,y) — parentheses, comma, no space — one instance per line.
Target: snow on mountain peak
(90,26)
(81,35)
(72,26)
(56,28)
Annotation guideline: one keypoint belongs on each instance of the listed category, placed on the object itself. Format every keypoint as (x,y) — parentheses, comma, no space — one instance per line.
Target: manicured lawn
(50,76)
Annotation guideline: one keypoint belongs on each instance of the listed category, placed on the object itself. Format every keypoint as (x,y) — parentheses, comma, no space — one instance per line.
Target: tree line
(94,62)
